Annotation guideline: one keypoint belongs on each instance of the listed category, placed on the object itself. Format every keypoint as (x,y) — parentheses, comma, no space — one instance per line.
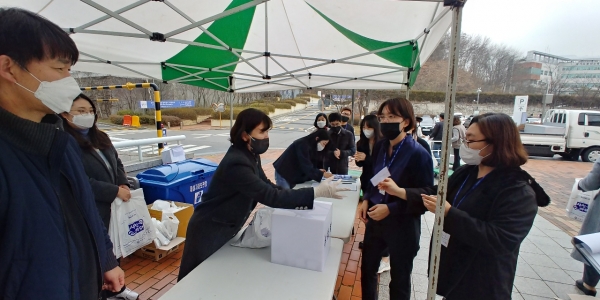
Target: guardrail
(144,142)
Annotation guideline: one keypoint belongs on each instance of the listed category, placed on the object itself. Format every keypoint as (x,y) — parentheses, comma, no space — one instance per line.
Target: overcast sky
(562,27)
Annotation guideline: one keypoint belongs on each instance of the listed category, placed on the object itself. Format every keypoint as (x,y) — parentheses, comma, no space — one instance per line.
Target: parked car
(467,121)
(427,125)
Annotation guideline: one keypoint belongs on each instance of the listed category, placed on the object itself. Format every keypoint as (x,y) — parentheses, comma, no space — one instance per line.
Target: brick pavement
(153,279)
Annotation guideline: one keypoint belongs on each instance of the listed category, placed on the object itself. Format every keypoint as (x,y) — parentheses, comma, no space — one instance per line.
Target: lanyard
(393,156)
(469,191)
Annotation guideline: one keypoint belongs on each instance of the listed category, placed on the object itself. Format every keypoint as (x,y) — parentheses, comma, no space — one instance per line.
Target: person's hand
(379,212)
(124,194)
(125,187)
(323,170)
(329,189)
(337,153)
(362,211)
(327,174)
(430,202)
(389,186)
(360,156)
(114,280)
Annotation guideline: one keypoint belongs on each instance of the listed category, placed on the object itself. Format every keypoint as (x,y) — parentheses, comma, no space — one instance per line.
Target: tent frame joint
(163,65)
(266,77)
(158,37)
(455,3)
(267,54)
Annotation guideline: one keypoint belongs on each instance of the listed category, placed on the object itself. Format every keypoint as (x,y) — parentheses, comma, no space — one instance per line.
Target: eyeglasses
(467,142)
(389,118)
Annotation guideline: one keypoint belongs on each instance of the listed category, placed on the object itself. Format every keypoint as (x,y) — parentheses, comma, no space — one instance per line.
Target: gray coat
(104,181)
(591,223)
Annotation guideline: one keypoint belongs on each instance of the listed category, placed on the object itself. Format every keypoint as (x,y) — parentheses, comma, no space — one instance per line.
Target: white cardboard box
(173,154)
(301,238)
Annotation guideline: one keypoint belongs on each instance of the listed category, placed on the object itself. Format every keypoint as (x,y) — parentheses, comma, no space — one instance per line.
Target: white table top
(344,211)
(244,273)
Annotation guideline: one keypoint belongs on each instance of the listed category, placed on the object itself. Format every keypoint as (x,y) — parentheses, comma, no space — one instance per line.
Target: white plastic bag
(579,202)
(171,223)
(258,232)
(113,232)
(133,223)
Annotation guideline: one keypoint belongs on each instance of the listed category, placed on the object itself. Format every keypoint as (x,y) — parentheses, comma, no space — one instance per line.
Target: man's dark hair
(26,37)
(97,139)
(335,116)
(441,115)
(246,121)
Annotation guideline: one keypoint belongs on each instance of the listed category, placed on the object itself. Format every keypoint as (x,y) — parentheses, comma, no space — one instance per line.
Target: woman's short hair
(456,120)
(324,116)
(246,121)
(400,107)
(500,131)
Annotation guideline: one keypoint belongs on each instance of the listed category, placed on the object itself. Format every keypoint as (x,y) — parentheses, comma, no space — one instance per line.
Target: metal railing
(144,142)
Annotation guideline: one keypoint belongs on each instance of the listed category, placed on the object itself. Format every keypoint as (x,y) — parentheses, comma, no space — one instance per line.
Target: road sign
(168,104)
(520,108)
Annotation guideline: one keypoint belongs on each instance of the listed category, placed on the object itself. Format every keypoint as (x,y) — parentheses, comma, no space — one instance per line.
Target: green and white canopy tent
(264,45)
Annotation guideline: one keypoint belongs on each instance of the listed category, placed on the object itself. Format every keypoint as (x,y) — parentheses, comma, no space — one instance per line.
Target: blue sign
(168,104)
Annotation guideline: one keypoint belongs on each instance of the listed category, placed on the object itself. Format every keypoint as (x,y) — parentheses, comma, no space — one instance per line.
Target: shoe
(383,267)
(126,294)
(579,284)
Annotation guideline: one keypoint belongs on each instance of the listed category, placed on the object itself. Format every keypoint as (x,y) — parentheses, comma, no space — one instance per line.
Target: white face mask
(320,147)
(368,133)
(471,156)
(321,124)
(84,121)
(57,95)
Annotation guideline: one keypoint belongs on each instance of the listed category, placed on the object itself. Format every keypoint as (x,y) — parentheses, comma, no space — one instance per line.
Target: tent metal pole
(433,23)
(214,37)
(119,66)
(292,75)
(407,92)
(215,17)
(118,11)
(427,29)
(352,114)
(266,40)
(116,16)
(231,90)
(363,79)
(447,134)
(357,78)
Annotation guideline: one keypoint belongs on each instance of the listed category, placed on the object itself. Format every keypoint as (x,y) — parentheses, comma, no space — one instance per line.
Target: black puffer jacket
(485,232)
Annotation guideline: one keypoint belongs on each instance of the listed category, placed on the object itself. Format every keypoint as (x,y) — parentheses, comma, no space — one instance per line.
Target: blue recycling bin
(184,181)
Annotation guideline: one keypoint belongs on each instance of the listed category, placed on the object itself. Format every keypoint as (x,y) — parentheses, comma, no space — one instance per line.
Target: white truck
(569,133)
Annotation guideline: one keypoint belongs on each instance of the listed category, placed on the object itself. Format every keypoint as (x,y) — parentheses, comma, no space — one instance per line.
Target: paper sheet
(379,177)
(591,242)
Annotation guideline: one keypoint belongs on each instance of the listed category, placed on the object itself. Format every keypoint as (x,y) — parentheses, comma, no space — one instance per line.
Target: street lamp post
(478,91)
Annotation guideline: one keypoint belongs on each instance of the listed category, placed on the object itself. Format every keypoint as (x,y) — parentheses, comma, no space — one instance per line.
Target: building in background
(548,73)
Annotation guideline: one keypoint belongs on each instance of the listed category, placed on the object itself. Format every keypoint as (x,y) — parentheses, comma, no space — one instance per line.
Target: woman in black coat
(370,134)
(296,163)
(491,206)
(102,165)
(238,185)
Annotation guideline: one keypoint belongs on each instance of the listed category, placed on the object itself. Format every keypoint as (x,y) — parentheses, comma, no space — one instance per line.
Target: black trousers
(456,163)
(590,275)
(401,236)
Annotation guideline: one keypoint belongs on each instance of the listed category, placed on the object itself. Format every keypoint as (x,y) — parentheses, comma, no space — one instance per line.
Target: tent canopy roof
(253,45)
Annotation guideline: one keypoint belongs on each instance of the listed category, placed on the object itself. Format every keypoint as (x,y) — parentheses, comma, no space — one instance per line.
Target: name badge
(445,239)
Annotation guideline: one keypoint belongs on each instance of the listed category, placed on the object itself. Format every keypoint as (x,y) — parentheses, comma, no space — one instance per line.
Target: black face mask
(390,130)
(345,119)
(336,129)
(259,146)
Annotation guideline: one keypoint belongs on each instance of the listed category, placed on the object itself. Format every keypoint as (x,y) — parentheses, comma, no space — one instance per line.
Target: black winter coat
(296,164)
(105,183)
(238,185)
(344,140)
(485,232)
(367,165)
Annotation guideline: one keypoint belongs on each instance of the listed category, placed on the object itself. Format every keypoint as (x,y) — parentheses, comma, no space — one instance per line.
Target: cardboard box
(301,238)
(151,252)
(183,214)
